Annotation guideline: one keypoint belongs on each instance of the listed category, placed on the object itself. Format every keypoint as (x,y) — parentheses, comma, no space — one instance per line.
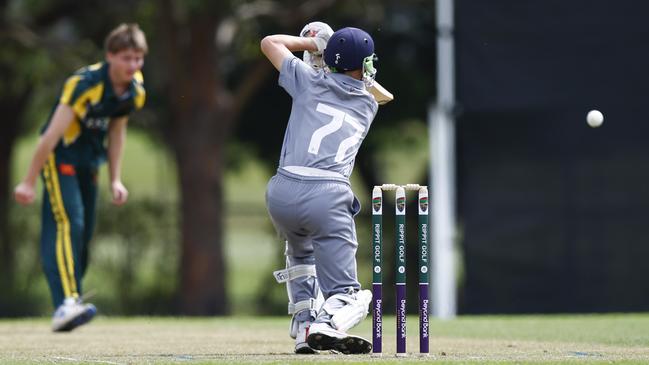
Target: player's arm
(61,120)
(116,141)
(279,46)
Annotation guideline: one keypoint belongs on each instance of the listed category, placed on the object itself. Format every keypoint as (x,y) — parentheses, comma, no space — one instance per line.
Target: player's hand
(320,32)
(24,193)
(119,192)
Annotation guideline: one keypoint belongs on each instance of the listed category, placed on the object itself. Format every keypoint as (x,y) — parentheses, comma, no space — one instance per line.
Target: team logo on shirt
(376,204)
(423,204)
(96,123)
(401,204)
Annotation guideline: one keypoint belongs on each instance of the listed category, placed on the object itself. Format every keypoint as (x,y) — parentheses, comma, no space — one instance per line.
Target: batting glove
(321,32)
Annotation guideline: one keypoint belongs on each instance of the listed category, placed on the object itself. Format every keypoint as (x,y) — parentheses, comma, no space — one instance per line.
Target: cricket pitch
(622,339)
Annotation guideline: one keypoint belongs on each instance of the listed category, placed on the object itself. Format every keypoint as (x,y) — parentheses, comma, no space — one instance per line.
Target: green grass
(582,339)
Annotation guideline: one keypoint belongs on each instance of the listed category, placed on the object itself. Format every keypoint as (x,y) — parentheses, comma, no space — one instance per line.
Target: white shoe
(324,337)
(72,314)
(301,346)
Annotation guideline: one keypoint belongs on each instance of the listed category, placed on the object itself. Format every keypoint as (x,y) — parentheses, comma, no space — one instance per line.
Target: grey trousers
(316,218)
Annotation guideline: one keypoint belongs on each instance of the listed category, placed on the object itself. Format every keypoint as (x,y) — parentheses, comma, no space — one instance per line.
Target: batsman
(310,200)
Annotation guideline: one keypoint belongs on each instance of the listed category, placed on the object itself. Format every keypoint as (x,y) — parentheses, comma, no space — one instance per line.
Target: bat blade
(381,95)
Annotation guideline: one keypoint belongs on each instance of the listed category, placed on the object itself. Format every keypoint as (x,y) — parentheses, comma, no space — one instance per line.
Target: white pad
(353,310)
(294,272)
(299,331)
(298,307)
(296,326)
(312,304)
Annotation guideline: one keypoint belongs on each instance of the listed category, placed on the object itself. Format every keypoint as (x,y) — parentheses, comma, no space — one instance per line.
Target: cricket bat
(381,95)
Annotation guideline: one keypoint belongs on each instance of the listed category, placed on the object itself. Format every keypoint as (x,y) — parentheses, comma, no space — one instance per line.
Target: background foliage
(213,102)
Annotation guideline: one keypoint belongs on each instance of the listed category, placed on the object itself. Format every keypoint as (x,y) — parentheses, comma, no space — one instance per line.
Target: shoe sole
(305,350)
(347,345)
(79,320)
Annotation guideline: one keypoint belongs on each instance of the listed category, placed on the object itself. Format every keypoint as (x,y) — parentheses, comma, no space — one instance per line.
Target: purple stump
(377,318)
(401,318)
(423,318)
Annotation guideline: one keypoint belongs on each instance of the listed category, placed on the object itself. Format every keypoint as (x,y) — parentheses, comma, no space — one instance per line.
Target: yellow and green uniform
(70,174)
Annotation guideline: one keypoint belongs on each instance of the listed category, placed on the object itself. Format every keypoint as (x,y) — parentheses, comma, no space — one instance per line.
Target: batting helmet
(347,48)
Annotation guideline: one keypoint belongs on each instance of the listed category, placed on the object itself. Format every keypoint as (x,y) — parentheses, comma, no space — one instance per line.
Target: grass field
(597,339)
(583,339)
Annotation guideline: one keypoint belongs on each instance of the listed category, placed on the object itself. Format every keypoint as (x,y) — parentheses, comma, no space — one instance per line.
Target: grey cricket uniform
(310,200)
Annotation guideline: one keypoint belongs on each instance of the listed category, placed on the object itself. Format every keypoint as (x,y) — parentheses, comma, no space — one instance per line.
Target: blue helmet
(347,49)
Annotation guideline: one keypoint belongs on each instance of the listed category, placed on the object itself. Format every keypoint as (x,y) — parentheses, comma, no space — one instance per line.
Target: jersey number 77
(338,117)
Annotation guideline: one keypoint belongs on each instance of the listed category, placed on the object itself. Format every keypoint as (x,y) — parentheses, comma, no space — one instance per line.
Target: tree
(205,91)
(12,103)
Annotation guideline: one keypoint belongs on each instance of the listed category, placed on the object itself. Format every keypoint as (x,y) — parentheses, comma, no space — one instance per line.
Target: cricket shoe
(72,314)
(301,345)
(324,337)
